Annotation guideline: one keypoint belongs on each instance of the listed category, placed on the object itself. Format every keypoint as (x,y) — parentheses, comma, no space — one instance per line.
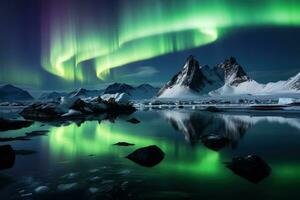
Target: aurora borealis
(84,41)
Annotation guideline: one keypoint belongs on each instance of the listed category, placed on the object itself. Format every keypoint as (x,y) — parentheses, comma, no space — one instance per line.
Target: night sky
(64,44)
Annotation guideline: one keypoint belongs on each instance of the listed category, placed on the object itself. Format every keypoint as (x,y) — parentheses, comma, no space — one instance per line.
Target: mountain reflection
(196,124)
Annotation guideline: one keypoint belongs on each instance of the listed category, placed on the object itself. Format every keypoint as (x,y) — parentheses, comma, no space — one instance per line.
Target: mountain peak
(191,78)
(11,93)
(234,73)
(231,60)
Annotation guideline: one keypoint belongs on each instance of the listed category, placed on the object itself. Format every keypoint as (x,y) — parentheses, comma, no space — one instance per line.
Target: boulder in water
(250,167)
(147,156)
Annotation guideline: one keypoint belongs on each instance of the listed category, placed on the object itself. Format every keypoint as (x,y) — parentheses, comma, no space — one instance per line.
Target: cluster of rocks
(74,108)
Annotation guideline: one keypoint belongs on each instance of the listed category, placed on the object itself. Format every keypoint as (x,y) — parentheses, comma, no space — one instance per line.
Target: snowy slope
(226,78)
(292,85)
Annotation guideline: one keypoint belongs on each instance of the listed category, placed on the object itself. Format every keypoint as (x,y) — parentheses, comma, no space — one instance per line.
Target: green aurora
(146,29)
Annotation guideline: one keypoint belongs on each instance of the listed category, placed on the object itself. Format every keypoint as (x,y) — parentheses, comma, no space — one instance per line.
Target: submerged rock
(147,156)
(250,167)
(123,144)
(68,186)
(214,142)
(93,190)
(7,157)
(41,189)
(133,121)
(8,124)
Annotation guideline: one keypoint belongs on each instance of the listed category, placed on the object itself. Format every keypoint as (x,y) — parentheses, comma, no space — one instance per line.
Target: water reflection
(196,124)
(188,157)
(91,138)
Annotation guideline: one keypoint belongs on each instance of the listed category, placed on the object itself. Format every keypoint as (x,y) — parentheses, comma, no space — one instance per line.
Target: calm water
(83,155)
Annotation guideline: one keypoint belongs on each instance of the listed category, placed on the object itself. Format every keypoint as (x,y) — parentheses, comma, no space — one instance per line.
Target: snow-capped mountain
(191,80)
(226,78)
(143,91)
(12,93)
(232,72)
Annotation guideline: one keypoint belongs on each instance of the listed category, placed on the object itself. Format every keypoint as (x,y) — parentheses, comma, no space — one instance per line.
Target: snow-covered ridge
(292,85)
(225,79)
(191,81)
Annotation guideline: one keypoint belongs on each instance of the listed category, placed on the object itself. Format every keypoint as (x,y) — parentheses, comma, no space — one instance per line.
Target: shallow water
(82,157)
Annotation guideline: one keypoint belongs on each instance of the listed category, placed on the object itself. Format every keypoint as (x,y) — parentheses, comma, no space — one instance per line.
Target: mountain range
(143,91)
(226,78)
(8,92)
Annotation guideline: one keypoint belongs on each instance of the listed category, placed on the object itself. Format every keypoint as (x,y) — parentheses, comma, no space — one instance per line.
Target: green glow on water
(73,142)
(146,29)
(93,138)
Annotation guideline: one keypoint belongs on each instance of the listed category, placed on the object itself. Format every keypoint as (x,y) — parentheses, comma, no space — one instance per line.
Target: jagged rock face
(191,76)
(294,82)
(233,72)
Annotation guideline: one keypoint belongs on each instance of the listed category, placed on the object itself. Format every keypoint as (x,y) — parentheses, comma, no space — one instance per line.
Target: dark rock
(81,106)
(123,144)
(41,111)
(134,121)
(234,73)
(250,167)
(215,142)
(213,109)
(7,157)
(147,156)
(7,124)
